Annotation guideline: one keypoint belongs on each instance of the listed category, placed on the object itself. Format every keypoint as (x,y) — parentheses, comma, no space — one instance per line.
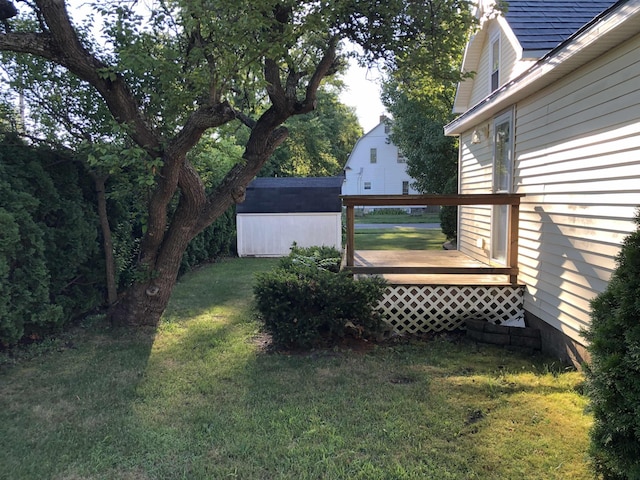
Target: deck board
(427,258)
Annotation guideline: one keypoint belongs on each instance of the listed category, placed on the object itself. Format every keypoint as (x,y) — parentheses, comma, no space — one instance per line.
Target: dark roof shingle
(541,25)
(292,195)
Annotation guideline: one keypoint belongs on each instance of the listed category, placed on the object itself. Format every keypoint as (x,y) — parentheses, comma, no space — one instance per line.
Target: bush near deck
(306,302)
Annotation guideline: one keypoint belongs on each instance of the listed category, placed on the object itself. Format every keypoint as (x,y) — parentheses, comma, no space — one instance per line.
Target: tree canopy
(419,93)
(173,77)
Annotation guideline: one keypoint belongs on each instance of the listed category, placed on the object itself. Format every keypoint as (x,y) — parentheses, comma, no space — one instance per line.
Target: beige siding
(578,162)
(578,143)
(476,177)
(510,66)
(508,61)
(481,82)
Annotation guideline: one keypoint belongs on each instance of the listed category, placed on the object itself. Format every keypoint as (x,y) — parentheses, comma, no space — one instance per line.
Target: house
(376,166)
(280,211)
(553,112)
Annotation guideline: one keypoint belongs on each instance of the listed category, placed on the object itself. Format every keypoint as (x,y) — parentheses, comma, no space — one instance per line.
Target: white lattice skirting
(428,308)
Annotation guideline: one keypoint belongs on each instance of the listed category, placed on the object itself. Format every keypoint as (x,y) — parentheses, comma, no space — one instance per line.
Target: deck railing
(512,200)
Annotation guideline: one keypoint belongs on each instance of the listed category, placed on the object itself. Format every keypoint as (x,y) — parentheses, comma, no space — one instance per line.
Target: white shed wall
(272,234)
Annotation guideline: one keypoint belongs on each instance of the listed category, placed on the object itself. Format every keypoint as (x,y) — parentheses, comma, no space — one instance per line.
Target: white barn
(553,112)
(280,211)
(376,166)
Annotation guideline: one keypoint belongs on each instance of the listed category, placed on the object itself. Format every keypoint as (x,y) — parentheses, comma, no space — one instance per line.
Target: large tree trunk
(146,300)
(168,234)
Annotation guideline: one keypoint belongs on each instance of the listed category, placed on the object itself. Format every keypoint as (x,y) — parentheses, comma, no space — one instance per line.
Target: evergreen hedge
(48,242)
(613,374)
(51,255)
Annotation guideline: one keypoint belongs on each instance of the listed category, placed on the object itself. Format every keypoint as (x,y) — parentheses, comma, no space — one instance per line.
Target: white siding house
(376,166)
(565,131)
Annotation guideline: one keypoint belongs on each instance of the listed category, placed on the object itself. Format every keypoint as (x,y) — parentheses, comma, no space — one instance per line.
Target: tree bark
(109,260)
(168,235)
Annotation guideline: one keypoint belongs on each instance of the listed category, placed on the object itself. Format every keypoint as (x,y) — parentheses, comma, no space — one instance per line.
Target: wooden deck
(432,268)
(389,263)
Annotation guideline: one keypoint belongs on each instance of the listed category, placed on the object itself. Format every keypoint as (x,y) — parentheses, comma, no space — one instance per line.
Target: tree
(419,93)
(613,374)
(184,70)
(432,158)
(319,142)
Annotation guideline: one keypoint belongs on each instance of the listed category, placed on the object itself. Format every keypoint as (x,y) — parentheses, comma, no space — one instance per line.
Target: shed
(279,211)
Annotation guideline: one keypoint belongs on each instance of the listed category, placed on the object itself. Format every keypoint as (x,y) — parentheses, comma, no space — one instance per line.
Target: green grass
(381,217)
(201,398)
(403,238)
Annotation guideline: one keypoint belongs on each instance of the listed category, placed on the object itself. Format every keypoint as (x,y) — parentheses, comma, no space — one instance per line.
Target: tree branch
(61,45)
(325,67)
(245,119)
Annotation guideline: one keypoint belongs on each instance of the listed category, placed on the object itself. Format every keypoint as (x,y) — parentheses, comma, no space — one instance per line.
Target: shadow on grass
(199,399)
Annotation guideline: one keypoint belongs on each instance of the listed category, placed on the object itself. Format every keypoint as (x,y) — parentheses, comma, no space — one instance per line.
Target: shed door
(502,183)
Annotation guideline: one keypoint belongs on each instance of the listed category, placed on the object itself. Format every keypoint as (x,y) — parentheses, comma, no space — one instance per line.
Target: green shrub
(449,214)
(306,303)
(48,242)
(613,375)
(327,258)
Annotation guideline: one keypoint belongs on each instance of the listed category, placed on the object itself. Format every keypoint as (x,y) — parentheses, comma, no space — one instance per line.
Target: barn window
(367,185)
(373,155)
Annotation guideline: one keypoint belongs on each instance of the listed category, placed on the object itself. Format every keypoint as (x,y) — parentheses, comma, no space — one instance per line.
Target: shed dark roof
(293,195)
(541,25)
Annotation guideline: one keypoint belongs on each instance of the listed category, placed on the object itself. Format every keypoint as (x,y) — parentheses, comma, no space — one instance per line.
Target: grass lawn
(202,398)
(403,238)
(381,217)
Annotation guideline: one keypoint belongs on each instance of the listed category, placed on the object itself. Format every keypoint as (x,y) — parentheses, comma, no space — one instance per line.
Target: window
(405,188)
(373,155)
(387,127)
(401,158)
(367,185)
(495,64)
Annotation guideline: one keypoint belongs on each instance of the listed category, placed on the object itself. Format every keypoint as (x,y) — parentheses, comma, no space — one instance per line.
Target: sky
(363,93)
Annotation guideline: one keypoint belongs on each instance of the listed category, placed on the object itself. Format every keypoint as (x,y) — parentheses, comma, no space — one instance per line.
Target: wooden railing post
(514,219)
(351,237)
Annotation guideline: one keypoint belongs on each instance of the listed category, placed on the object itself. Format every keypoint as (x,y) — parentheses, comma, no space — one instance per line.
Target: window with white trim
(367,185)
(373,155)
(495,64)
